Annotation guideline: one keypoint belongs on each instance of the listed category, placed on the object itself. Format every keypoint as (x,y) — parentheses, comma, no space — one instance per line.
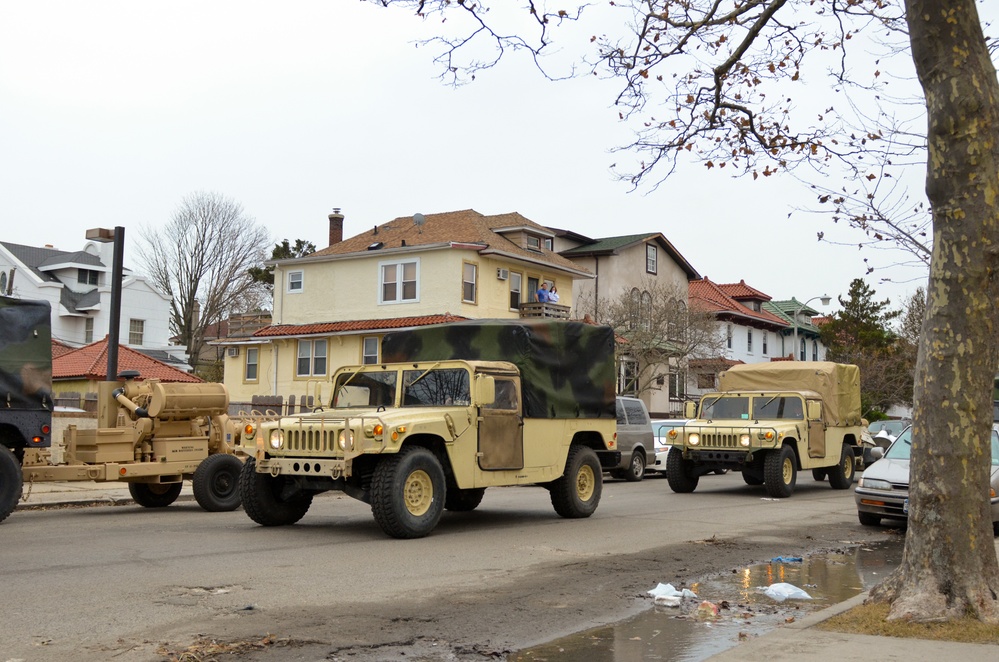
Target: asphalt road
(128,583)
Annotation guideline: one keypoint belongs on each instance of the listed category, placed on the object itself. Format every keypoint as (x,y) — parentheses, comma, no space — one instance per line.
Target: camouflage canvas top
(567,368)
(25,354)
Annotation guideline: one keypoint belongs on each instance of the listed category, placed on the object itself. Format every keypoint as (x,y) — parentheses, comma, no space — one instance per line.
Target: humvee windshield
(436,388)
(725,407)
(777,407)
(365,389)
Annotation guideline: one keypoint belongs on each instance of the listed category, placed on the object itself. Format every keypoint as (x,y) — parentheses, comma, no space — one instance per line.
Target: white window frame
(765,343)
(254,353)
(296,282)
(519,289)
(474,282)
(651,259)
(400,267)
(136,328)
(749,341)
(88,330)
(316,353)
(533,243)
(367,358)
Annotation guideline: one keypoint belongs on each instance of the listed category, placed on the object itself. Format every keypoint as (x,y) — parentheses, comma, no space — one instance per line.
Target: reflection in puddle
(676,635)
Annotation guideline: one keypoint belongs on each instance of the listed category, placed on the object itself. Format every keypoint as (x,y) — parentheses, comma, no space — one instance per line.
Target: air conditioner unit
(233,351)
(502,274)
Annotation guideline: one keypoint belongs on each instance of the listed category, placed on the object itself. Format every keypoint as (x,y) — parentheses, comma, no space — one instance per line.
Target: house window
(369,351)
(650,258)
(765,339)
(135,329)
(87,276)
(627,376)
(533,242)
(634,308)
(469,272)
(801,350)
(728,336)
(706,380)
(311,358)
(250,367)
(88,330)
(515,295)
(749,341)
(677,385)
(399,281)
(645,312)
(815,350)
(548,244)
(296,281)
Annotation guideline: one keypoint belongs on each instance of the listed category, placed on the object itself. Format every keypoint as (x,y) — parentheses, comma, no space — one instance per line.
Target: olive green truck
(769,421)
(452,410)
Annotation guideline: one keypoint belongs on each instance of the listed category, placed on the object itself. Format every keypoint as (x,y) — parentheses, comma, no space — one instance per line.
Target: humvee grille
(720,440)
(316,441)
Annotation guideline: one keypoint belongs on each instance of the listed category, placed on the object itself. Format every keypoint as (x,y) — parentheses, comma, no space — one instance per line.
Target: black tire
(460,501)
(408,493)
(868,519)
(11,482)
(264,501)
(995,529)
(720,472)
(636,470)
(576,493)
(751,478)
(819,474)
(154,495)
(216,483)
(841,476)
(680,473)
(780,472)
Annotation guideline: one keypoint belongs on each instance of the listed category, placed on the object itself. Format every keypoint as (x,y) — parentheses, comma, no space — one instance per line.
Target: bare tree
(201,259)
(718,82)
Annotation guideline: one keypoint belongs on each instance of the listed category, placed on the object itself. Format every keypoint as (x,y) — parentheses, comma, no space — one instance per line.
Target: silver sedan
(883,490)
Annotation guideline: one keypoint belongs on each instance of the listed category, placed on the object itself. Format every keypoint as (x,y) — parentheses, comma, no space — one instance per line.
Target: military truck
(25,390)
(453,410)
(150,434)
(769,421)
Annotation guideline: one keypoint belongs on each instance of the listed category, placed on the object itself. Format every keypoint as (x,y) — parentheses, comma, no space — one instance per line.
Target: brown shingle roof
(355,325)
(466,226)
(91,362)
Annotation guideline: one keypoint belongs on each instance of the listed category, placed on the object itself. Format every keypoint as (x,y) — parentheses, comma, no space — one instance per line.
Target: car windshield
(364,389)
(724,407)
(902,448)
(777,406)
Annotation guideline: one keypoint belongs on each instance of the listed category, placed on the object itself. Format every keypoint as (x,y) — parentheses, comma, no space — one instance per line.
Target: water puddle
(678,635)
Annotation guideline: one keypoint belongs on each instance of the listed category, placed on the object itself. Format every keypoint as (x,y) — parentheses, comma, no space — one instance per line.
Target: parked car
(634,439)
(883,490)
(661,428)
(886,430)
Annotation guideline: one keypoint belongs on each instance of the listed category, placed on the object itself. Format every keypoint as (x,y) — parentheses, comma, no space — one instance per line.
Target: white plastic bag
(665,595)
(782,591)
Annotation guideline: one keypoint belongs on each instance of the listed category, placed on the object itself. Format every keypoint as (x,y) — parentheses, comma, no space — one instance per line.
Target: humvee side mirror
(814,410)
(690,410)
(485,390)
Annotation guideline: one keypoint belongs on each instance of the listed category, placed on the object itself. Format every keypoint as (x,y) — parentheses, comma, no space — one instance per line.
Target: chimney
(336,226)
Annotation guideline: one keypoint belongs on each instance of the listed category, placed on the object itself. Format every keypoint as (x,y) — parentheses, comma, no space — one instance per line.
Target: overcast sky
(112,112)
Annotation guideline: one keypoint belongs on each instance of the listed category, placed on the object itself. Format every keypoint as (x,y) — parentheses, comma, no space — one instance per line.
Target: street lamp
(825,299)
(117,236)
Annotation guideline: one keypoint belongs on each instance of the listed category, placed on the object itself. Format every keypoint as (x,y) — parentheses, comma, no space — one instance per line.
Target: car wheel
(266,501)
(408,493)
(868,519)
(636,470)
(154,495)
(680,474)
(577,492)
(780,472)
(216,482)
(841,476)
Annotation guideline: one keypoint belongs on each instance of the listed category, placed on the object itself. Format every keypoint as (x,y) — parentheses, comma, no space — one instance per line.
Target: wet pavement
(679,634)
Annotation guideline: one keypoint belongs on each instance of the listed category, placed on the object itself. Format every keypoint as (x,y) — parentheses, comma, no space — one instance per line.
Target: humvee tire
(459,500)
(408,493)
(10,482)
(576,493)
(216,482)
(751,478)
(154,495)
(780,472)
(678,473)
(841,476)
(819,474)
(263,501)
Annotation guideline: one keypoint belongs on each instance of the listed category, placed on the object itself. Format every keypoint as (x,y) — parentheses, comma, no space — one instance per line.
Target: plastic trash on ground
(783,591)
(665,595)
(707,611)
(786,559)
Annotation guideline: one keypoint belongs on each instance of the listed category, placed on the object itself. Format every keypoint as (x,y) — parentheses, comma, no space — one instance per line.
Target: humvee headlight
(346,439)
(744,440)
(693,439)
(277,438)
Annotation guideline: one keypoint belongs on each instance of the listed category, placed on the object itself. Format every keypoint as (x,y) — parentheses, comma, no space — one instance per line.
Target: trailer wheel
(841,476)
(216,483)
(265,501)
(10,482)
(576,493)
(154,495)
(680,473)
(459,500)
(408,493)
(780,472)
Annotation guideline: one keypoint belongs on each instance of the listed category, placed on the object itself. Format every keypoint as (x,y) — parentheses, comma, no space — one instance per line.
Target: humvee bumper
(315,467)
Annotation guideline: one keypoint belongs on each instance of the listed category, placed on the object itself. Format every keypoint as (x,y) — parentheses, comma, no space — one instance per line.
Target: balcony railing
(536,309)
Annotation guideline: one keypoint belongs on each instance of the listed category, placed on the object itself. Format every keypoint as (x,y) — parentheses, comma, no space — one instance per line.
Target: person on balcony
(542,293)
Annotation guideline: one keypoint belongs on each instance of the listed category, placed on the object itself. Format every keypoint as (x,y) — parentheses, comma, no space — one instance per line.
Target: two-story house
(802,330)
(332,307)
(77,284)
(641,269)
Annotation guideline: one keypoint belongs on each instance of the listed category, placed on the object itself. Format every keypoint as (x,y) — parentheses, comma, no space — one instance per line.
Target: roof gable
(91,362)
(707,295)
(614,245)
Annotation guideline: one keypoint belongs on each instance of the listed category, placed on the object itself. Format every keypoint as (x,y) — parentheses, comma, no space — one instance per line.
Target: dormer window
(87,276)
(533,243)
(548,244)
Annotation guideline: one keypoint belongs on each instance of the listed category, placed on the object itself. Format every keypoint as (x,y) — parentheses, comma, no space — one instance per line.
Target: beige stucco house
(332,307)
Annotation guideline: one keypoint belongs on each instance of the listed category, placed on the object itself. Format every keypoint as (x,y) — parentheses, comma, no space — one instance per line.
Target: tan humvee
(770,420)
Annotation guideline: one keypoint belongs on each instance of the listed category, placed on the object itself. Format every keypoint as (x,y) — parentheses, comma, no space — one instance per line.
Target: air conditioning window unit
(502,274)
(233,351)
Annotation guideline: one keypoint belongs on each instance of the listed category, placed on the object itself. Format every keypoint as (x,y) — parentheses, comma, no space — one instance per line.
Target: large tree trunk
(949,566)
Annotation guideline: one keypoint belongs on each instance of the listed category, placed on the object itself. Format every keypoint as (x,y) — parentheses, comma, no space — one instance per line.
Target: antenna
(418,220)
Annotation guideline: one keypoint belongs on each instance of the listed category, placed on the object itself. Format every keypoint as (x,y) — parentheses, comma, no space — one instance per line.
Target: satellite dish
(419,219)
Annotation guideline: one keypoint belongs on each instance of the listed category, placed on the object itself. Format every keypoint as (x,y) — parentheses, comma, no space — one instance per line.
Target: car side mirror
(877,453)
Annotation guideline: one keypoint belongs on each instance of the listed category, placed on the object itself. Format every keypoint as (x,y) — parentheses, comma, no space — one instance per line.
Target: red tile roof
(742,291)
(709,296)
(59,348)
(278,330)
(91,362)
